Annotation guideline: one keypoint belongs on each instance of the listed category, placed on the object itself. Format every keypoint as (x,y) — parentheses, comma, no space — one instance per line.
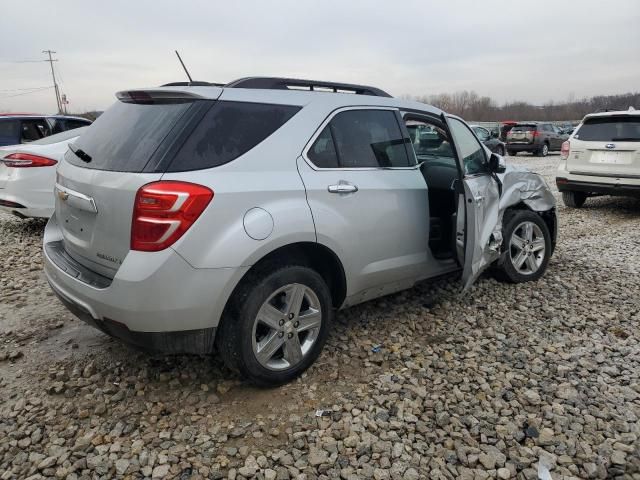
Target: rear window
(60,137)
(523,128)
(124,138)
(610,129)
(227,131)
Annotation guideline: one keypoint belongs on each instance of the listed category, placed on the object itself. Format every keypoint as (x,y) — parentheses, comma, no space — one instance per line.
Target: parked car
(28,174)
(490,139)
(17,128)
(534,137)
(244,216)
(602,157)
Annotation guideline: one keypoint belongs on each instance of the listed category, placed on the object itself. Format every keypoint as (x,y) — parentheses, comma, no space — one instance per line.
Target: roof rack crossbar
(276,83)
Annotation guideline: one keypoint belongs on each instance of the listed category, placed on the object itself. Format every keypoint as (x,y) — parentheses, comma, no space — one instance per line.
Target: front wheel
(276,325)
(500,150)
(527,247)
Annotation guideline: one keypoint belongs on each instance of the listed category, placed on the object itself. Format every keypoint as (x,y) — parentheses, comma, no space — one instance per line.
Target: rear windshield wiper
(81,154)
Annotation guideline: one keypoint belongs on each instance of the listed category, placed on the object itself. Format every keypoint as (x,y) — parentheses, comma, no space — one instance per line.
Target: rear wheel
(276,325)
(544,150)
(527,247)
(574,199)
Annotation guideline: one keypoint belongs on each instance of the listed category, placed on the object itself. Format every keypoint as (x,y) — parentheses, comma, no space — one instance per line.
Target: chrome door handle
(342,187)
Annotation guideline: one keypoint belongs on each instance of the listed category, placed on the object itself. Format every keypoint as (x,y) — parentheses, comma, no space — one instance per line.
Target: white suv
(602,157)
(243,217)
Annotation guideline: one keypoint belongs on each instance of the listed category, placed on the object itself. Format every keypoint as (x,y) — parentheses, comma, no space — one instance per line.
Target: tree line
(471,106)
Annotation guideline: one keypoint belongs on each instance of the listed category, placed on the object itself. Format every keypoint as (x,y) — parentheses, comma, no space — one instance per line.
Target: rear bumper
(522,147)
(566,185)
(156,300)
(24,207)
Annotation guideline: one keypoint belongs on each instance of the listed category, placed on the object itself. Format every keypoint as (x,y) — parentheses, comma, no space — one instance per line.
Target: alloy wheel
(286,327)
(527,248)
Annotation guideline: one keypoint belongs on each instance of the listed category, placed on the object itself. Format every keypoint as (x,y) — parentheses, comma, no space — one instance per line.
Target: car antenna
(185,68)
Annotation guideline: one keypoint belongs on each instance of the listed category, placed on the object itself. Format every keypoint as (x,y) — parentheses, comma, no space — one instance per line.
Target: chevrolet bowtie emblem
(63,195)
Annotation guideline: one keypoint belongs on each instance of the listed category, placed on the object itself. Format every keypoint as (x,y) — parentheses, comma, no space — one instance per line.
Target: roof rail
(195,83)
(276,83)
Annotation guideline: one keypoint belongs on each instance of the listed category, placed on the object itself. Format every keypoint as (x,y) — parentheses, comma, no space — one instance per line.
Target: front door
(478,242)
(368,199)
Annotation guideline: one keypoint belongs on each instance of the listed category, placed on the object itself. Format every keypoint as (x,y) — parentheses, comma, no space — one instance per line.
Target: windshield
(125,137)
(610,129)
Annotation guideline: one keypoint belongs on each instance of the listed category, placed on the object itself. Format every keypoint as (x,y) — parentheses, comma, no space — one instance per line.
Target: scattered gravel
(421,384)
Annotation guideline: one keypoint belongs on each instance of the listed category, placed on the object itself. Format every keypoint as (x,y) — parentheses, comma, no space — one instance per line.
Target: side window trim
(327,121)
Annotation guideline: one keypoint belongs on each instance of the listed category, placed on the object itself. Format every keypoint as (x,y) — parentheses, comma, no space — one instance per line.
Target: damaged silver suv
(240,218)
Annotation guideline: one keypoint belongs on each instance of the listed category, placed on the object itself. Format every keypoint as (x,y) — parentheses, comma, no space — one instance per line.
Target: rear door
(607,147)
(368,198)
(96,186)
(480,208)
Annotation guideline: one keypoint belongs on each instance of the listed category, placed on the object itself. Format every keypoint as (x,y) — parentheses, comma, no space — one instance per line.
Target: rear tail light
(564,151)
(164,211)
(27,160)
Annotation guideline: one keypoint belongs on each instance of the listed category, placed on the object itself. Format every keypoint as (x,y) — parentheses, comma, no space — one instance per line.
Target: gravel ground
(421,384)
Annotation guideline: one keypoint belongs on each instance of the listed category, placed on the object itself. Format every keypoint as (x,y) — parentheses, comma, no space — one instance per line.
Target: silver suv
(240,218)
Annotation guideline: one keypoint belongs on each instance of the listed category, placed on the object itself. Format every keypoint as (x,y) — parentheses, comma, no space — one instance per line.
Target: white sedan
(28,174)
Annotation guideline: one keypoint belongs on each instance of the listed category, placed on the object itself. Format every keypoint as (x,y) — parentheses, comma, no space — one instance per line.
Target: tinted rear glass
(523,128)
(124,137)
(611,129)
(227,131)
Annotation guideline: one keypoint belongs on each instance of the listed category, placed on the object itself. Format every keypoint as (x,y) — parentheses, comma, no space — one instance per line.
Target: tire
(500,150)
(543,151)
(270,294)
(512,153)
(574,199)
(515,223)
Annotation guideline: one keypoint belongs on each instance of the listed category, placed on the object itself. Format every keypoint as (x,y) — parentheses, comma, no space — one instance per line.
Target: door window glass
(9,132)
(471,150)
(34,130)
(481,133)
(369,138)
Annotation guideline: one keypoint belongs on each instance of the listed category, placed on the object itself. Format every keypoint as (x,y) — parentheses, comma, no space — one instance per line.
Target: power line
(55,84)
(22,89)
(27,93)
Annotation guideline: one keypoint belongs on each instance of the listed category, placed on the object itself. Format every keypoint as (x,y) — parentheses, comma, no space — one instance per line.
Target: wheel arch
(312,254)
(548,216)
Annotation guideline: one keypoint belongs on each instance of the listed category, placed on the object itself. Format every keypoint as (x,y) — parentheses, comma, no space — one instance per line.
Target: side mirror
(497,164)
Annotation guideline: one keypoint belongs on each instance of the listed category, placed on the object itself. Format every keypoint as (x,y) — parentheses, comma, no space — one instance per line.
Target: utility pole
(55,84)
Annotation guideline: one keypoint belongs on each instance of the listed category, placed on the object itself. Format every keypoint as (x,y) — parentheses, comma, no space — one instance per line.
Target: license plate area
(610,158)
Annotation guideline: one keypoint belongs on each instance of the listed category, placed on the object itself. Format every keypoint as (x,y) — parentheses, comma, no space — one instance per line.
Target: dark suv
(24,128)
(534,137)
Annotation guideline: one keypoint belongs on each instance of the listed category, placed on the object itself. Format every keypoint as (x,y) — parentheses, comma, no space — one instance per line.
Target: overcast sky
(536,50)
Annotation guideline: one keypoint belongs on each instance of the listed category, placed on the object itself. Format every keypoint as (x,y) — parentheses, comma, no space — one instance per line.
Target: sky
(536,51)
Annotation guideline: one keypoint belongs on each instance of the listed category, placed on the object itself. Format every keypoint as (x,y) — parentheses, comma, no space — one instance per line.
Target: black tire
(235,334)
(505,269)
(543,151)
(512,153)
(574,199)
(500,150)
